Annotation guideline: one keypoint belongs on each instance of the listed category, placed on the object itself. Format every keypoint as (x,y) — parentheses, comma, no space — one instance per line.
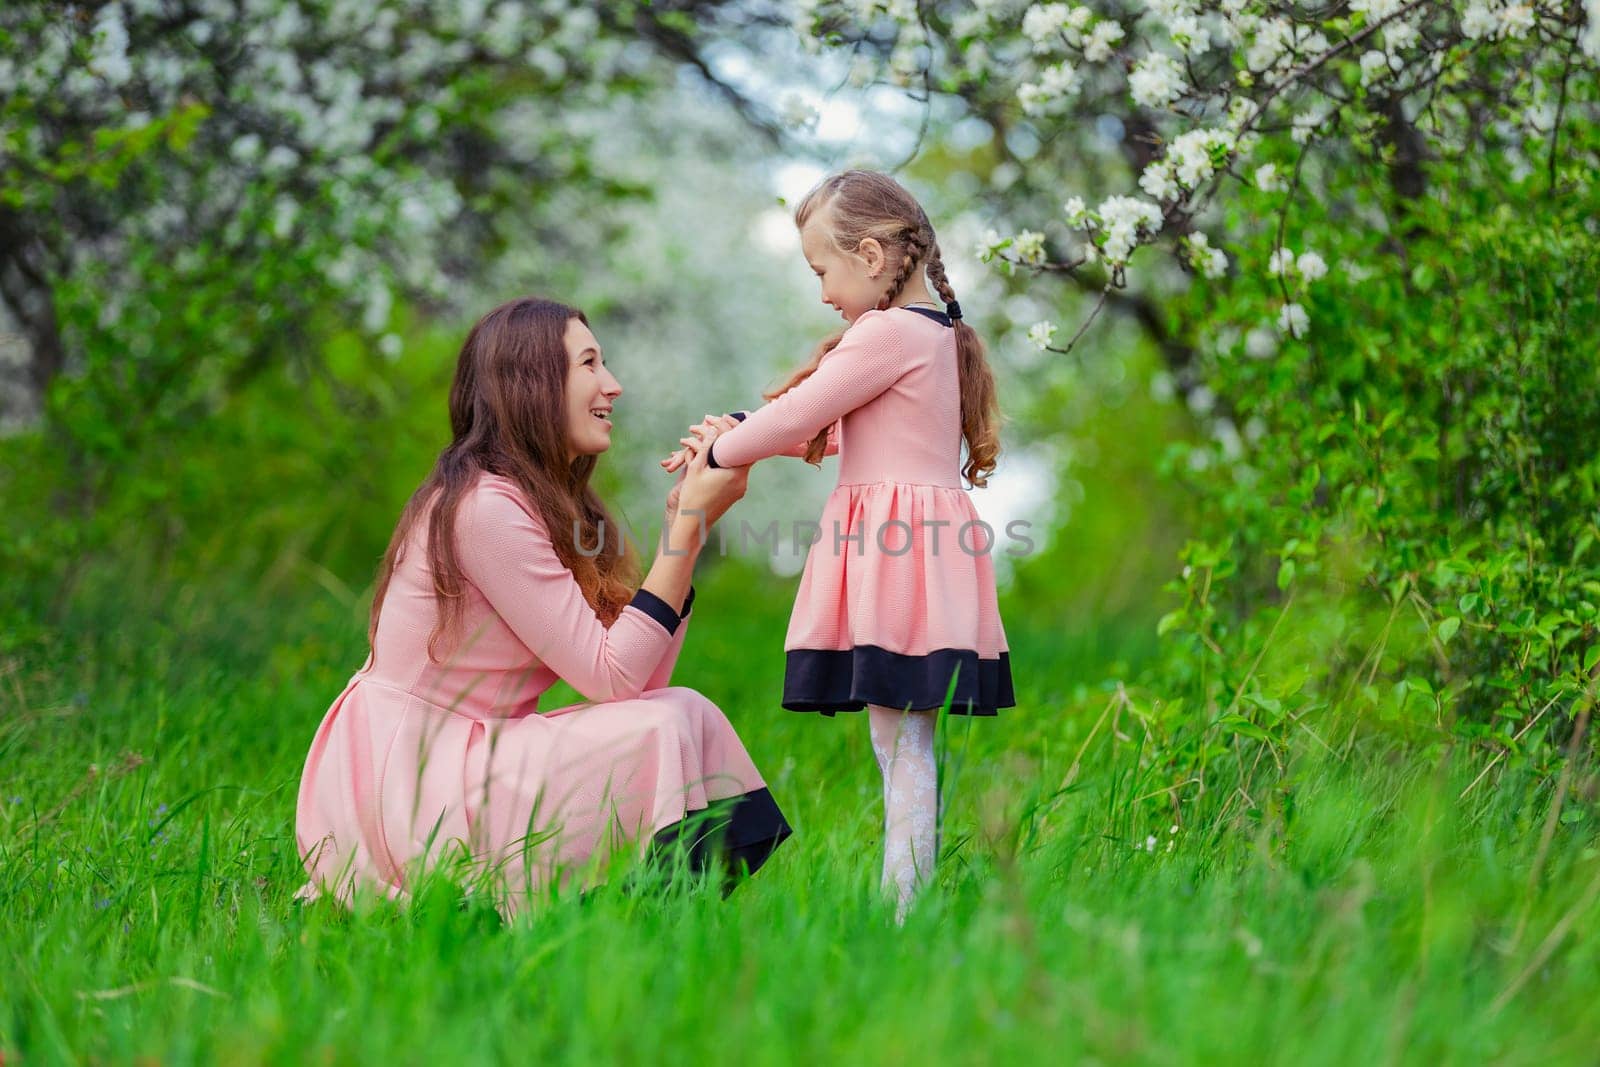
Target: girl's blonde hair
(862,204)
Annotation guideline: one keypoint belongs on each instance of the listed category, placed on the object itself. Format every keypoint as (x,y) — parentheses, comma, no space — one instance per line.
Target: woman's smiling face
(591,390)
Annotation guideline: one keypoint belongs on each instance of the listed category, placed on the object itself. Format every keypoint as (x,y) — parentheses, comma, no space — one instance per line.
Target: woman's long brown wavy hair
(862,204)
(508,417)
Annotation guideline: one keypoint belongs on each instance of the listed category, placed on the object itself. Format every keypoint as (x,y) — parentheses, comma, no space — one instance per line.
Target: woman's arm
(507,554)
(868,360)
(661,677)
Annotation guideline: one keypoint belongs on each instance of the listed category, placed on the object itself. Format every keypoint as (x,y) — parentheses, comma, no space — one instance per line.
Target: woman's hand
(697,440)
(705,491)
(673,496)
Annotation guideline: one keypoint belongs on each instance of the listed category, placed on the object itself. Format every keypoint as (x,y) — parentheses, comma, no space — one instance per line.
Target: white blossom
(1478,21)
(1376,10)
(1056,84)
(1398,36)
(1293,320)
(1157,181)
(991,245)
(1029,247)
(110,59)
(1373,65)
(1516,20)
(1311,266)
(1589,39)
(1261,343)
(796,111)
(1042,335)
(1191,154)
(1268,180)
(1043,24)
(1189,34)
(1076,213)
(1272,40)
(1156,80)
(1212,262)
(1101,38)
(1280,262)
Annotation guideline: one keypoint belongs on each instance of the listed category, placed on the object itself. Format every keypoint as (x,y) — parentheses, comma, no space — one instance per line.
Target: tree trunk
(31,351)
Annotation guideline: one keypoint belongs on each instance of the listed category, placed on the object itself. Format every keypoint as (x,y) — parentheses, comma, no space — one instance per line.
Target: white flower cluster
(1310,266)
(319,132)
(1053,55)
(1049,26)
(1211,262)
(1123,220)
(1490,20)
(1042,335)
(1156,80)
(1056,86)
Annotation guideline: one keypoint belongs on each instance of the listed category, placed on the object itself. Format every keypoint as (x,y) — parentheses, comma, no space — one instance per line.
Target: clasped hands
(700,437)
(712,491)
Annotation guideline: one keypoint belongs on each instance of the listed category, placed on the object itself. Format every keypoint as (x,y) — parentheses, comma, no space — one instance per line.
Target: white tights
(903,743)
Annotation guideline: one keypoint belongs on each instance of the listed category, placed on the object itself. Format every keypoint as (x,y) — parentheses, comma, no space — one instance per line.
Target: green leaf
(1448,627)
(1285,573)
(1238,724)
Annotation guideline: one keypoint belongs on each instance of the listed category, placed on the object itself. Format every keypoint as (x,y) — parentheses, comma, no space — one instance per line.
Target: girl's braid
(941,284)
(918,239)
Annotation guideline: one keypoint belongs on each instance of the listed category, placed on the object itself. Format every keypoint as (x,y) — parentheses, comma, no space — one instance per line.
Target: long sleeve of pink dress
(419,760)
(507,554)
(867,361)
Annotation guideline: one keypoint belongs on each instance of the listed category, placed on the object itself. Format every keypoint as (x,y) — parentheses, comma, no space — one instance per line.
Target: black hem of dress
(830,681)
(741,832)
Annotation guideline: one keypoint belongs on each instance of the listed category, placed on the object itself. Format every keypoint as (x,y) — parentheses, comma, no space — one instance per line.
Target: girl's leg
(903,744)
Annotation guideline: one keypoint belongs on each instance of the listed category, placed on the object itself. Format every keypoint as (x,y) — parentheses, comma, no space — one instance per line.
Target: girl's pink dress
(898,593)
(417,759)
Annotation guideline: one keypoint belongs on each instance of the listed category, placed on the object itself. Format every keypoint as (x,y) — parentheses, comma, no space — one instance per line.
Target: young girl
(897,601)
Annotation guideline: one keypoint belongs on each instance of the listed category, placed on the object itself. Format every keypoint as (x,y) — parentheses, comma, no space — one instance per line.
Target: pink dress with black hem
(897,604)
(417,760)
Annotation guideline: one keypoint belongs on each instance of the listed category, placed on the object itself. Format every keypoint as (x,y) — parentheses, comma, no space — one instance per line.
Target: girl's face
(852,282)
(591,388)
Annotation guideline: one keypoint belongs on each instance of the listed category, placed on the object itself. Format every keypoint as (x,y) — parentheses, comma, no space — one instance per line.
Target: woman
(504,575)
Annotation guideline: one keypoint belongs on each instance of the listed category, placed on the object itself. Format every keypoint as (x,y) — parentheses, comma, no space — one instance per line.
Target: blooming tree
(1199,100)
(189,187)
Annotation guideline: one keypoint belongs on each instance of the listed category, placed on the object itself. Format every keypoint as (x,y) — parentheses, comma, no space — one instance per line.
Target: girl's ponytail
(980,404)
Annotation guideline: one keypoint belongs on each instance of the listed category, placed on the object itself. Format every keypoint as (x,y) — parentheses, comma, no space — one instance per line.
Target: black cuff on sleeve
(711,453)
(688,602)
(657,609)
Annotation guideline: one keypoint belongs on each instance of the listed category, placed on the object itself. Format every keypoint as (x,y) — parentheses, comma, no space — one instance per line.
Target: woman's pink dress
(416,759)
(898,593)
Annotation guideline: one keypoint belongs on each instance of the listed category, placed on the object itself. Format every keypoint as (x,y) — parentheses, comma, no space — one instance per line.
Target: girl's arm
(799,451)
(868,360)
(507,554)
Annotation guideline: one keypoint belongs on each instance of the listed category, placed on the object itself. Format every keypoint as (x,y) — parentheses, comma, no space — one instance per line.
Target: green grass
(1361,913)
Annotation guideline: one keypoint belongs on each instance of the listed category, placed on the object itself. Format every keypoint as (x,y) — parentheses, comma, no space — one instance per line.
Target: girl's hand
(697,440)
